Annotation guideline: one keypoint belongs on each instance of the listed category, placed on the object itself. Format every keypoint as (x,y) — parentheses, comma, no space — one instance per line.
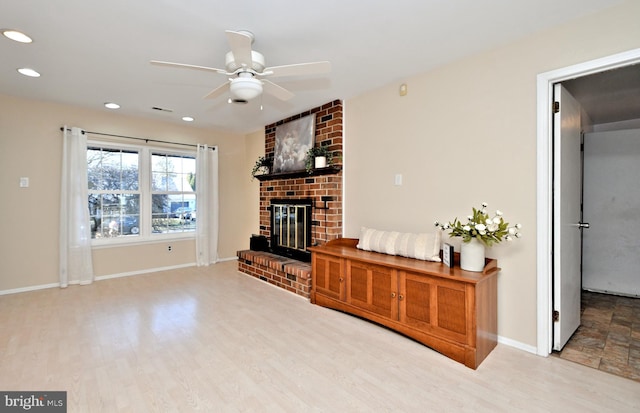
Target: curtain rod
(147,140)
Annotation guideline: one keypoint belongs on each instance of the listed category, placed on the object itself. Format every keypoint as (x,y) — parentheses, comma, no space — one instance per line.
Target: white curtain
(207,205)
(76,266)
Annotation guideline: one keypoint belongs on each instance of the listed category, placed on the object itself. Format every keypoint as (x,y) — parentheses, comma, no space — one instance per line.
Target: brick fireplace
(322,187)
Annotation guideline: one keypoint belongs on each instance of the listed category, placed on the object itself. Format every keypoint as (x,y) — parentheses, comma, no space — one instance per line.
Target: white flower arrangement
(489,230)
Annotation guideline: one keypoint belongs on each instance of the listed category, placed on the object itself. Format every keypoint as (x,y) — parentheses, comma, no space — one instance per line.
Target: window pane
(159,181)
(129,171)
(173,213)
(113,215)
(160,205)
(112,169)
(93,167)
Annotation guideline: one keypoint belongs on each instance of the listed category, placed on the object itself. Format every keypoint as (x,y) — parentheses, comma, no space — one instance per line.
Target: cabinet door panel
(328,278)
(417,307)
(358,286)
(451,310)
(372,288)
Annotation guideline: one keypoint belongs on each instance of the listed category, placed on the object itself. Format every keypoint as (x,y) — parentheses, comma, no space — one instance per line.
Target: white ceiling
(93,51)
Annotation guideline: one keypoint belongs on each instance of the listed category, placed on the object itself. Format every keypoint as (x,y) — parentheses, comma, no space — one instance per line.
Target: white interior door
(567,192)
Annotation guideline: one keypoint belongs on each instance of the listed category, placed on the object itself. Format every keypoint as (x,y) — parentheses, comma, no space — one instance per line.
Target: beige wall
(466,133)
(255,147)
(31,145)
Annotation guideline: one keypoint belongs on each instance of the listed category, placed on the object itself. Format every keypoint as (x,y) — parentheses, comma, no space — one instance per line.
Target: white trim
(139,272)
(28,289)
(227,259)
(544,198)
(125,241)
(516,344)
(107,277)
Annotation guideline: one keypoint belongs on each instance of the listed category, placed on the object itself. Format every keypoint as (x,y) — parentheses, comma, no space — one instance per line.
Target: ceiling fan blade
(275,90)
(205,68)
(313,68)
(240,44)
(217,91)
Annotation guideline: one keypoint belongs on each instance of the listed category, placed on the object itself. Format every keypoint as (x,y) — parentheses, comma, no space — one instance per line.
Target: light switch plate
(24,182)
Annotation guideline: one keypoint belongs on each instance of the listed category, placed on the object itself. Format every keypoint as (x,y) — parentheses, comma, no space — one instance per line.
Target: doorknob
(581,225)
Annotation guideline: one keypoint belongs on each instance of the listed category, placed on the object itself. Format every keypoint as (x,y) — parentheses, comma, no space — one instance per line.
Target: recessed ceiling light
(28,72)
(17,36)
(111,105)
(188,119)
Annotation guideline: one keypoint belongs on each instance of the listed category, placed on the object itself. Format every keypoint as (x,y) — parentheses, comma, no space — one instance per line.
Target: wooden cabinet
(448,309)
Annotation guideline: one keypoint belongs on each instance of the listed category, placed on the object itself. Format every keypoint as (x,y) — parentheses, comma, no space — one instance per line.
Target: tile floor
(608,338)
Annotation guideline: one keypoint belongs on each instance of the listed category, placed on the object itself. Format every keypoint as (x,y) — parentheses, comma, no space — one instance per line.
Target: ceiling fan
(247,72)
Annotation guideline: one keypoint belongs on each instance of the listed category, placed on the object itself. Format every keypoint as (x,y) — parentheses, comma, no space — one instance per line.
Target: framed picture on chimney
(293,140)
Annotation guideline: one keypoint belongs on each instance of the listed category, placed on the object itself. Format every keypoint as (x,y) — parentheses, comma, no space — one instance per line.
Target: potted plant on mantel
(261,167)
(318,157)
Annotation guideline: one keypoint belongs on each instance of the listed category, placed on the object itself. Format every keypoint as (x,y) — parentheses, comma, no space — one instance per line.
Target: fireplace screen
(291,228)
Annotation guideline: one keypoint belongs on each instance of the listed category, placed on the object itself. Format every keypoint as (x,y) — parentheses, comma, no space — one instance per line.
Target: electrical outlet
(169,248)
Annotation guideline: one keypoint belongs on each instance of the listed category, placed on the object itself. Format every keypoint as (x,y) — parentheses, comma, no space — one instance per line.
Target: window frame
(146,236)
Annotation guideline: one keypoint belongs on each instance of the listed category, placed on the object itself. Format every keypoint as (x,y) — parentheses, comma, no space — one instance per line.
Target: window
(114,192)
(173,195)
(138,193)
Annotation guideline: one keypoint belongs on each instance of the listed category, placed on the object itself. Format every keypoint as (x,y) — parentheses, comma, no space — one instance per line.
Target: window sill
(132,241)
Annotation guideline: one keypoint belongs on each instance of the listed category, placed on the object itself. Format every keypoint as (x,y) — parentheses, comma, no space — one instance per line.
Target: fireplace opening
(291,228)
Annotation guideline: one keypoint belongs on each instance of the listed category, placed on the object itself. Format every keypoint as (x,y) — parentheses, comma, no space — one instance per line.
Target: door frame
(544,195)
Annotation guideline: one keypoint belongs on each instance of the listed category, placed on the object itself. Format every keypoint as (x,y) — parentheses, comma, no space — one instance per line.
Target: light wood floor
(214,340)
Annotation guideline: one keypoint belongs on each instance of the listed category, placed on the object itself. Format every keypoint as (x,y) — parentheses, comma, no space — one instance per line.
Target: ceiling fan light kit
(245,87)
(246,70)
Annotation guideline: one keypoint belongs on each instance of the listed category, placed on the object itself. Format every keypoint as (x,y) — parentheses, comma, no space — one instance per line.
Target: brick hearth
(291,275)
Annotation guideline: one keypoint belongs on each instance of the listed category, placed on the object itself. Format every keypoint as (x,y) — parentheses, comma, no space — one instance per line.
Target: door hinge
(556,107)
(556,316)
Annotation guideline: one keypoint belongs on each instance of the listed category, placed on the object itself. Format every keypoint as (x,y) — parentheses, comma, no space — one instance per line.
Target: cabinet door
(415,300)
(328,276)
(438,305)
(373,288)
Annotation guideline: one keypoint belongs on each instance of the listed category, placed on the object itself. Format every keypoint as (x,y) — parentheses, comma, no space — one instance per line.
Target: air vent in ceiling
(161,109)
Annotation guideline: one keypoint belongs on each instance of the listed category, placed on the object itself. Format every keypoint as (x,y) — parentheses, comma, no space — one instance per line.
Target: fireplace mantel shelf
(334,169)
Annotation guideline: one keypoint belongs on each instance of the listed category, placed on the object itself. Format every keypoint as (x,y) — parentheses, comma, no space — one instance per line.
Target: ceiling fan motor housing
(257,62)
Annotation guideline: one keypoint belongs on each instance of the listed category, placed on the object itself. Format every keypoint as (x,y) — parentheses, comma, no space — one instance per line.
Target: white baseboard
(228,259)
(145,271)
(516,344)
(27,289)
(105,277)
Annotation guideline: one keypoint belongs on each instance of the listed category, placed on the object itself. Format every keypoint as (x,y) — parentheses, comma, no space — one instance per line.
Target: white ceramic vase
(320,162)
(472,255)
